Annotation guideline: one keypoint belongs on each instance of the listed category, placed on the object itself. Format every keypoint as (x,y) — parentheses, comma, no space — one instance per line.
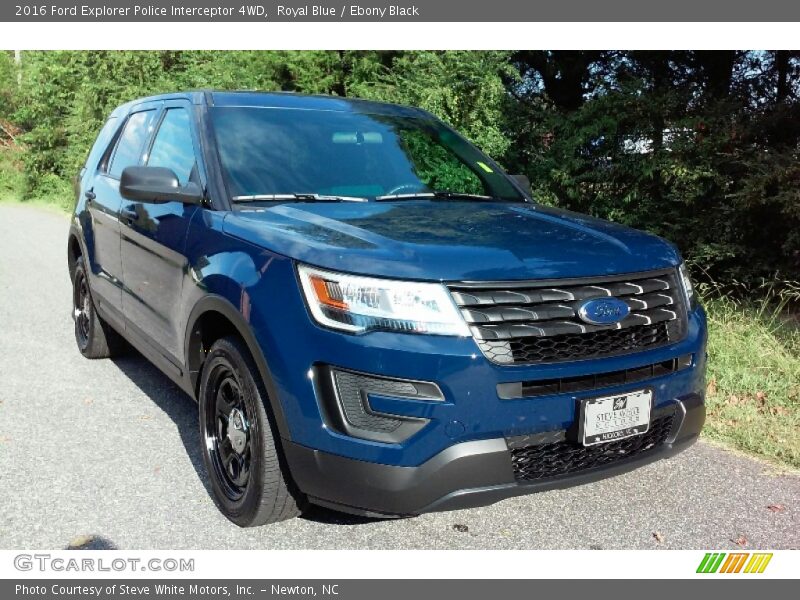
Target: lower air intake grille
(546,460)
(594,381)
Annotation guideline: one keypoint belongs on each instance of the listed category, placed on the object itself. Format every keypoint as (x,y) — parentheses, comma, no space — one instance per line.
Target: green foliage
(12,182)
(700,147)
(8,84)
(463,88)
(692,146)
(68,94)
(437,168)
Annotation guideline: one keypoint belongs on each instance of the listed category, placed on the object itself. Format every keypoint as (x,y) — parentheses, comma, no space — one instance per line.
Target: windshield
(274,153)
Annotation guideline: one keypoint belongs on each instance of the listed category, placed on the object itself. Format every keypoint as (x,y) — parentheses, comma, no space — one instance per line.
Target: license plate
(614,418)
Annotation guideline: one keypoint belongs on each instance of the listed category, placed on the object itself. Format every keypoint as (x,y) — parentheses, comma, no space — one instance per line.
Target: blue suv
(372,315)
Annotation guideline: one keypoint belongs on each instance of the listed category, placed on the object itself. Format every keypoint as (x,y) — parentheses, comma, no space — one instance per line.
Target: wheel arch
(74,251)
(214,317)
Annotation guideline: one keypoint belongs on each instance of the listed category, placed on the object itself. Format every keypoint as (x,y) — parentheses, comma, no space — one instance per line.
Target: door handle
(129,214)
(90,195)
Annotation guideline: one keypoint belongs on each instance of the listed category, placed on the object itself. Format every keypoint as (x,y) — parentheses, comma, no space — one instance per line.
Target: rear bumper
(465,475)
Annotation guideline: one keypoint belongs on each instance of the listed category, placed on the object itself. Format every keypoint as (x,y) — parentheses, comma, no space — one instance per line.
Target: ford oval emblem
(603,311)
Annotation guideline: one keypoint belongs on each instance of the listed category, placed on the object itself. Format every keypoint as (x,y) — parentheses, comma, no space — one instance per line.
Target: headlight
(359,304)
(688,288)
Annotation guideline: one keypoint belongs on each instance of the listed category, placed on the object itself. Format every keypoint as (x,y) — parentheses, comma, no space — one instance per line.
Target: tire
(250,481)
(95,338)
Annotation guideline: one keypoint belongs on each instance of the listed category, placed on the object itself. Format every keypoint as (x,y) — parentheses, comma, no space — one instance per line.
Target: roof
(282,100)
(309,102)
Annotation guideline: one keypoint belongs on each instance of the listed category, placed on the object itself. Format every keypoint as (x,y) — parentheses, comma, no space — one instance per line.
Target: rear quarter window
(101,144)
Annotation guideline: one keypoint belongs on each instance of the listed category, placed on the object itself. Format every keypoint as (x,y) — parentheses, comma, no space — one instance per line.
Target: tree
(700,147)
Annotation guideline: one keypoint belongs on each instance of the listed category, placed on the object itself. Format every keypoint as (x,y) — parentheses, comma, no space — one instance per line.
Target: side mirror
(523,182)
(157,184)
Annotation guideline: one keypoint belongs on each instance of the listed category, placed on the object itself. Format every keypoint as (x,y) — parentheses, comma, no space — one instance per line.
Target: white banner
(393,564)
(391,36)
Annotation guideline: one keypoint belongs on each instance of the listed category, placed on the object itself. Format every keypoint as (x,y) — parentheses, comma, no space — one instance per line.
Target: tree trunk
(18,62)
(563,73)
(717,66)
(782,71)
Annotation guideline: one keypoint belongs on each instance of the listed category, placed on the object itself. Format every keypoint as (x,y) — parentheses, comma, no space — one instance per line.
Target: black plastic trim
(593,381)
(465,475)
(472,498)
(216,303)
(335,414)
(389,489)
(218,193)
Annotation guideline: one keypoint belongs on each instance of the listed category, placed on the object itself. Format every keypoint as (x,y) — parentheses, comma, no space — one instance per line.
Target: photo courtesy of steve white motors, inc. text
(157,589)
(147,11)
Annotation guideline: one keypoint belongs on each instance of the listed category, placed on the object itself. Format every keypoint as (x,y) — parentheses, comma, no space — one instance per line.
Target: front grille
(535,322)
(554,458)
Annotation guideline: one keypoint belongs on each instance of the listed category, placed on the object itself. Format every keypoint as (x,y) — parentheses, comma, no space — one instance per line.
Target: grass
(753,392)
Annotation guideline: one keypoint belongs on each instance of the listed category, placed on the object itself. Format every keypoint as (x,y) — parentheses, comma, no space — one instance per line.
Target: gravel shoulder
(105,454)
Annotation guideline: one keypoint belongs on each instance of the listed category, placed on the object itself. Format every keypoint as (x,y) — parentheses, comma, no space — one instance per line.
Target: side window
(101,143)
(173,147)
(131,142)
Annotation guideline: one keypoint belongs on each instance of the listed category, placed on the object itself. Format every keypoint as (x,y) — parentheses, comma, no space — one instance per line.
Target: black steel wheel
(250,481)
(227,433)
(82,306)
(94,337)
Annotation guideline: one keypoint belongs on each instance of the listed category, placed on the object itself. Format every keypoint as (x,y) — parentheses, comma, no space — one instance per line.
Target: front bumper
(465,475)
(470,408)
(473,401)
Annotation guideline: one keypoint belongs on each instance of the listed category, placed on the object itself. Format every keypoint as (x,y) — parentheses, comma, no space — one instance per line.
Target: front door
(153,237)
(103,203)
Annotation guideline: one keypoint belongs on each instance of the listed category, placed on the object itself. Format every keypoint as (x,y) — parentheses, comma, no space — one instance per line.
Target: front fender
(224,276)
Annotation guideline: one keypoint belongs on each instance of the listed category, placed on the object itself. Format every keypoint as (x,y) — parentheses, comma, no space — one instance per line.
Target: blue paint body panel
(451,241)
(263,285)
(246,260)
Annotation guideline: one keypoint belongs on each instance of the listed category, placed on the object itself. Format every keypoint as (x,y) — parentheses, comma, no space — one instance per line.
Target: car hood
(450,241)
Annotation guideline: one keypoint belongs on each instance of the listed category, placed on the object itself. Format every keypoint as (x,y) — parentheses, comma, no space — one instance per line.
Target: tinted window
(173,147)
(101,143)
(278,151)
(129,147)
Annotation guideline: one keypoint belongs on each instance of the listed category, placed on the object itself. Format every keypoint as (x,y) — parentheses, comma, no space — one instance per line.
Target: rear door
(103,204)
(153,237)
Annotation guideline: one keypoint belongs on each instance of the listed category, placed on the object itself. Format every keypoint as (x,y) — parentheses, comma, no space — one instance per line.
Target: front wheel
(249,480)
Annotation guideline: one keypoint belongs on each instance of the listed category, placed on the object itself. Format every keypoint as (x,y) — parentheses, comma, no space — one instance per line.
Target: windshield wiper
(298,197)
(438,195)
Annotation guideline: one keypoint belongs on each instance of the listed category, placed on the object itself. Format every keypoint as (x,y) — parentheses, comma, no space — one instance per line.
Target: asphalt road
(106,454)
